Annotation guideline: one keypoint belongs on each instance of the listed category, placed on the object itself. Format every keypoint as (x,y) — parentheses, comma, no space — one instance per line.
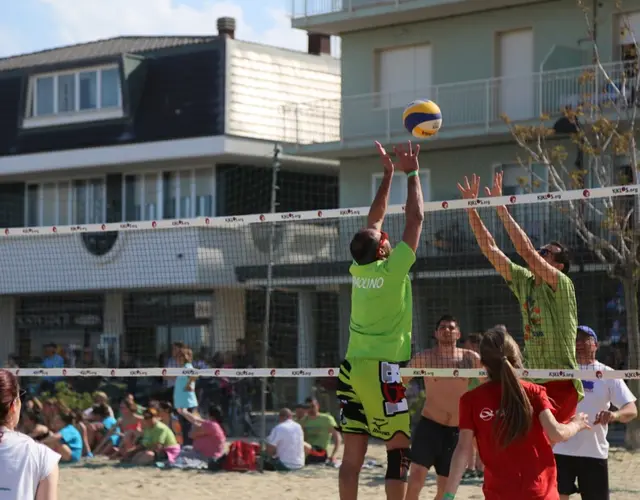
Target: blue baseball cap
(589,331)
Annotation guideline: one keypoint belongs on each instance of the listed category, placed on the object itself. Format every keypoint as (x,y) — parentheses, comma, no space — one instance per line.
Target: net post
(264,355)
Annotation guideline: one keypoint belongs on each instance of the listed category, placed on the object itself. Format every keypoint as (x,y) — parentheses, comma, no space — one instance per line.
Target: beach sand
(99,479)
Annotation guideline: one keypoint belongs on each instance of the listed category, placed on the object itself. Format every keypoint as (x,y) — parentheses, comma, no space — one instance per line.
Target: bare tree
(604,131)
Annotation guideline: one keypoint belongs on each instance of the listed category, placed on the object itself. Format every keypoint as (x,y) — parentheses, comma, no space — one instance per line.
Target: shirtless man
(436,435)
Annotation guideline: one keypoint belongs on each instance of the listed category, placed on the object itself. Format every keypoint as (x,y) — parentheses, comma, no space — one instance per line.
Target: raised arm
(380,203)
(536,263)
(414,208)
(485,239)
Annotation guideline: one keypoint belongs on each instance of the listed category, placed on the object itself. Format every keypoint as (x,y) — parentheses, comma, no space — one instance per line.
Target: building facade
(149,129)
(480,61)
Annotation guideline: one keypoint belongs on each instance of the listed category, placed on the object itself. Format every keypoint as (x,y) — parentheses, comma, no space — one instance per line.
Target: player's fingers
(417,151)
(487,191)
(409,147)
(461,189)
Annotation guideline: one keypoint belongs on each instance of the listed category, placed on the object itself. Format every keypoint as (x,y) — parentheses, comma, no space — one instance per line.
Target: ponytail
(516,412)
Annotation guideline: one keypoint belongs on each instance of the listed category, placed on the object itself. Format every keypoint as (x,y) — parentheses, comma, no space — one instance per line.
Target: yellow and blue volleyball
(422,118)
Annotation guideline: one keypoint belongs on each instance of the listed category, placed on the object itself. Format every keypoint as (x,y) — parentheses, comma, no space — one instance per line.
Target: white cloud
(81,21)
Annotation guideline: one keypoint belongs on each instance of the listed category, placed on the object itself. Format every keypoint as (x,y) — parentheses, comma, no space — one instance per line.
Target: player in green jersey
(546,296)
(370,389)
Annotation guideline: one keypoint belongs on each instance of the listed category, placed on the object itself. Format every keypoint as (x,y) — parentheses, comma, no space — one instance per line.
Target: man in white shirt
(285,444)
(584,457)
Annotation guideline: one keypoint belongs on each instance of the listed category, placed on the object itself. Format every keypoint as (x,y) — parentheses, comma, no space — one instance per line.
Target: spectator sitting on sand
(128,428)
(208,436)
(319,431)
(65,438)
(158,442)
(32,424)
(285,445)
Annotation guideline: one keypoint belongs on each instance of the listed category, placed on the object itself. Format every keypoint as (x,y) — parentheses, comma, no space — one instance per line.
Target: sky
(32,25)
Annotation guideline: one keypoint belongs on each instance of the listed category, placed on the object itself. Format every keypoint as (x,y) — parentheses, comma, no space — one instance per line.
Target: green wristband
(413,173)
(448,496)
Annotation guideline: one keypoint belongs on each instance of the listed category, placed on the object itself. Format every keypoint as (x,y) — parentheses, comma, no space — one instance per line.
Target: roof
(99,49)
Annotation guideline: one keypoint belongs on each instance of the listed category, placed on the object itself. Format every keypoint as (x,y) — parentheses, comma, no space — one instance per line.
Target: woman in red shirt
(513,423)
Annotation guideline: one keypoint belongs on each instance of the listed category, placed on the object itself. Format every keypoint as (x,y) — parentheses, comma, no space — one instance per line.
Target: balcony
(167,258)
(469,109)
(334,17)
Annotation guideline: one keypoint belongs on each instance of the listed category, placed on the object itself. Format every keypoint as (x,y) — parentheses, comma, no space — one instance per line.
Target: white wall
(264,84)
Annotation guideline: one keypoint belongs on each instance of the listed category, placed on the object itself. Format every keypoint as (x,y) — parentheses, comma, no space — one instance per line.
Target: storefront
(154,320)
(71,321)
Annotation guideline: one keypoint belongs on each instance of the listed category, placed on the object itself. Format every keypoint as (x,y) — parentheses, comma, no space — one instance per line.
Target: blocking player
(436,435)
(546,296)
(370,389)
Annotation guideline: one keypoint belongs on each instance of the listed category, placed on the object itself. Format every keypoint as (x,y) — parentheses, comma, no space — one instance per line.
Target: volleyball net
(268,295)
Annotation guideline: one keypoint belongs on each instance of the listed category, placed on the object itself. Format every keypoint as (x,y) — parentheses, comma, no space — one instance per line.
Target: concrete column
(228,318)
(344,306)
(306,341)
(112,340)
(7,328)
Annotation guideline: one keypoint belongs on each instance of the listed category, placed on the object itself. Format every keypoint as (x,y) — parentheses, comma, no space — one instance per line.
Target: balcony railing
(308,8)
(477,106)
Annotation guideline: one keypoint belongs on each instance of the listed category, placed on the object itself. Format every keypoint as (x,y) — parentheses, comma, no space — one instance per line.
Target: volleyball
(422,118)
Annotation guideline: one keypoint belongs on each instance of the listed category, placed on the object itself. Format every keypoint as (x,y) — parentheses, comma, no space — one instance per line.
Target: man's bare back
(442,395)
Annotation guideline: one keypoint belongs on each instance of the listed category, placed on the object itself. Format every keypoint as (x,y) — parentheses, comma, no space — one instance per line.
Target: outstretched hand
(496,189)
(387,162)
(407,157)
(469,191)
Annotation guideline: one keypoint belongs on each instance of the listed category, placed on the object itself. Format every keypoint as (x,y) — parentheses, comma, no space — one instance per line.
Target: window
(181,194)
(398,192)
(62,203)
(404,74)
(76,96)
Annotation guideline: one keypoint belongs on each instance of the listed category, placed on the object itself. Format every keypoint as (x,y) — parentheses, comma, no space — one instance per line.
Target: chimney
(227,27)
(319,44)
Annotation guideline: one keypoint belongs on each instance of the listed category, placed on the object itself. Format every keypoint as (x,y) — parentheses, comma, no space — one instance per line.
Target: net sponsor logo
(331,372)
(41,373)
(272,373)
(78,229)
(189,372)
(424,373)
(216,373)
(632,375)
(128,225)
(456,373)
(30,230)
(478,203)
(445,204)
(349,211)
(141,373)
(599,374)
(300,373)
(232,220)
(368,283)
(180,223)
(290,216)
(113,373)
(625,190)
(88,373)
(245,373)
(513,199)
(548,196)
(586,193)
(561,374)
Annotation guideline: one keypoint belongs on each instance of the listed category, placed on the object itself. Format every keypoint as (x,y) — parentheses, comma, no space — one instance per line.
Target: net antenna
(275,169)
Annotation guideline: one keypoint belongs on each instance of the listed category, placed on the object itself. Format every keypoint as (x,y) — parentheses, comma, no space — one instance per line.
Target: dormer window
(89,94)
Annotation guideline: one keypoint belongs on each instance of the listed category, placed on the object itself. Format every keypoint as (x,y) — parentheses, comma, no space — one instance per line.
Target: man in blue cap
(584,457)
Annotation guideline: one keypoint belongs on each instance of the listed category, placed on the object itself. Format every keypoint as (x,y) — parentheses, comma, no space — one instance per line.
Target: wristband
(448,496)
(413,173)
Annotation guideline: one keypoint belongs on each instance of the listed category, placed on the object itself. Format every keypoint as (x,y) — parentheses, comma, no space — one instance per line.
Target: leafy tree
(604,131)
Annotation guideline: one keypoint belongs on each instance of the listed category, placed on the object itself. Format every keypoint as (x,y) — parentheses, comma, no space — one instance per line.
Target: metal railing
(478,106)
(307,8)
